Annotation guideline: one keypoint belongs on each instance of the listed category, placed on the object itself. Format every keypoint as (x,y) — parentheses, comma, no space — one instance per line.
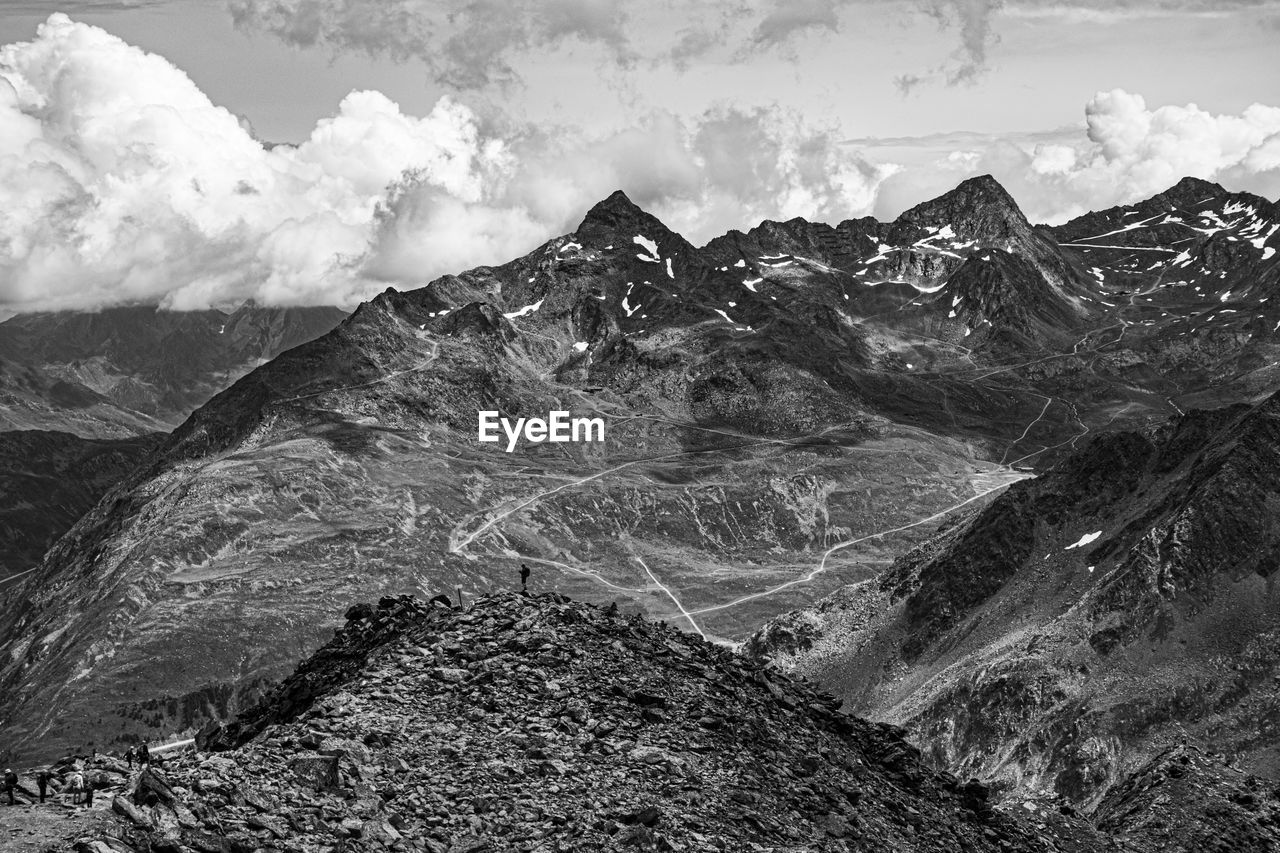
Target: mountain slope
(48,480)
(1082,621)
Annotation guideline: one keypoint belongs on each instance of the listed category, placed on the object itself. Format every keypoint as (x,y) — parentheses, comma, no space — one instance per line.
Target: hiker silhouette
(524,578)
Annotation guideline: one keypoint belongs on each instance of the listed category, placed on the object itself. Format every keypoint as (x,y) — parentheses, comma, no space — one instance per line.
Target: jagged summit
(979,207)
(615,214)
(1190,191)
(617,201)
(538,724)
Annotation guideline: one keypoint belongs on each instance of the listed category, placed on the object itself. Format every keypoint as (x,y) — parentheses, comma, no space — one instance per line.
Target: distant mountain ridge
(130,370)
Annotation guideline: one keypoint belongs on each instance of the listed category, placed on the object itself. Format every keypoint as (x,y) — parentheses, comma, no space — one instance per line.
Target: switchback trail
(822,564)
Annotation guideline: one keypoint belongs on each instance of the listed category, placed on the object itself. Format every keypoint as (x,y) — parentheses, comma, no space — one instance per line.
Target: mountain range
(906,417)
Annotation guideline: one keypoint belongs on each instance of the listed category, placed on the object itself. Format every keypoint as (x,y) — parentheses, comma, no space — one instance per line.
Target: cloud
(1135,150)
(478,44)
(78,7)
(466,44)
(121,182)
(786,21)
(1111,11)
(973,20)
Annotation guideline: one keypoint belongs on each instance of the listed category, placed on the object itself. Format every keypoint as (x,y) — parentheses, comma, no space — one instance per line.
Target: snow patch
(626,305)
(1084,540)
(528,309)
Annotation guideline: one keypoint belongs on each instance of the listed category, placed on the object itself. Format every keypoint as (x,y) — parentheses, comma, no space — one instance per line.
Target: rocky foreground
(542,724)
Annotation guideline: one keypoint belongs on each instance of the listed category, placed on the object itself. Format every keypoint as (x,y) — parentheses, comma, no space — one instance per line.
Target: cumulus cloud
(121,182)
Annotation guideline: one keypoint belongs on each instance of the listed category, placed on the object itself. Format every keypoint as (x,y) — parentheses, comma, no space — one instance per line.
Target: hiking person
(524,578)
(88,790)
(10,782)
(128,756)
(42,782)
(144,755)
(77,787)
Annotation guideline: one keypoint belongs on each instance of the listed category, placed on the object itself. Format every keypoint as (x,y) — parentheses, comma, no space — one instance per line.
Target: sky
(197,153)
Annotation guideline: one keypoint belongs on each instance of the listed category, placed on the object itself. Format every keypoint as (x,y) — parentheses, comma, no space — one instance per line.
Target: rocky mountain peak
(978,207)
(618,217)
(1189,191)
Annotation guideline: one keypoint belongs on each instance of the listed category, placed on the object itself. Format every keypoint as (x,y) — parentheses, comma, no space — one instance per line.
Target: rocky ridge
(542,724)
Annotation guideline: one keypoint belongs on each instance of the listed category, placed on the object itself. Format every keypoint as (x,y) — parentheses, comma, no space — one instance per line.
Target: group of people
(140,754)
(80,784)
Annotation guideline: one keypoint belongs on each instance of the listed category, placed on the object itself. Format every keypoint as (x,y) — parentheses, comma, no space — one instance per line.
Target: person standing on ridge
(128,756)
(524,578)
(42,782)
(10,782)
